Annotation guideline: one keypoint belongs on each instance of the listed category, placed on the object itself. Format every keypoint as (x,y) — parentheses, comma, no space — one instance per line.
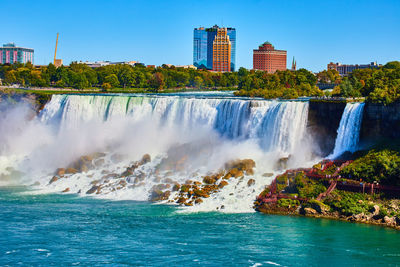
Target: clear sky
(161,31)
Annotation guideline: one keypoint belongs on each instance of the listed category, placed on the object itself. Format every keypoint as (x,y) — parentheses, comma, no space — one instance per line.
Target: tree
(112,79)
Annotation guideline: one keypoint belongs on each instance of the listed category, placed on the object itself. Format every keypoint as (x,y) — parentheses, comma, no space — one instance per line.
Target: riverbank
(322,192)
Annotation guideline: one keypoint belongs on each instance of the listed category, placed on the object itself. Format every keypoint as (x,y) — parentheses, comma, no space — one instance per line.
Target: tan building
(268,59)
(222,51)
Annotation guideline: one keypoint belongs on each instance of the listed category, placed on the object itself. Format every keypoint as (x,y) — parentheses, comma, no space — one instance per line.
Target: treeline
(282,84)
(81,76)
(380,85)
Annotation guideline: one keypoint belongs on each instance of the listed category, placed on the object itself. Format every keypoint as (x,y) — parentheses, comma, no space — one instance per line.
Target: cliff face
(380,121)
(323,122)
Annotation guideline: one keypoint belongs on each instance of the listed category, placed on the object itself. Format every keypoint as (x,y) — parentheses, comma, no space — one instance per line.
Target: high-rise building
(267,58)
(203,41)
(10,53)
(345,69)
(222,51)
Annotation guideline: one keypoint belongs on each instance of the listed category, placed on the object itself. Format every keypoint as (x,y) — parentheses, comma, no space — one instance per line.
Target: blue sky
(157,32)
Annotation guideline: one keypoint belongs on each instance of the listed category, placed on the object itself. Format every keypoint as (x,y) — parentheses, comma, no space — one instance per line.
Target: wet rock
(93,189)
(222,184)
(60,172)
(234,173)
(158,195)
(361,217)
(145,159)
(209,180)
(310,211)
(176,187)
(319,206)
(251,182)
(71,171)
(200,193)
(268,174)
(54,179)
(391,221)
(181,200)
(66,190)
(198,201)
(185,188)
(375,210)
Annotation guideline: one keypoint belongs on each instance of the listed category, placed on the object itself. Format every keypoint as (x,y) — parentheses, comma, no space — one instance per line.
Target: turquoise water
(67,230)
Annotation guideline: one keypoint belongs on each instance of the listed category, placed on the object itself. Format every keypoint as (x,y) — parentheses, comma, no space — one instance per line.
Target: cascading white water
(213,129)
(348,133)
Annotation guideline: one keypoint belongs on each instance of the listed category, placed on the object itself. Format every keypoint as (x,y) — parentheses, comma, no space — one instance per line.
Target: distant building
(181,66)
(222,51)
(346,69)
(203,41)
(10,53)
(98,64)
(268,59)
(294,65)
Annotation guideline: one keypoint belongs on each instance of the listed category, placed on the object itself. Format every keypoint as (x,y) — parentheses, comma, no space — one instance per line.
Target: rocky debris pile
(193,192)
(110,181)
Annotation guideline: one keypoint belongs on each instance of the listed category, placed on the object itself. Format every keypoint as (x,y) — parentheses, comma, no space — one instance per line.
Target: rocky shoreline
(302,192)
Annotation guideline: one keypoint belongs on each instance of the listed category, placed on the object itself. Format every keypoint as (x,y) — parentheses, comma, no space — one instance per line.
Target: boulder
(176,187)
(268,174)
(181,200)
(375,210)
(145,159)
(60,172)
(310,211)
(71,171)
(251,182)
(158,195)
(54,179)
(93,189)
(391,221)
(198,201)
(185,188)
(222,184)
(319,206)
(200,193)
(66,190)
(209,180)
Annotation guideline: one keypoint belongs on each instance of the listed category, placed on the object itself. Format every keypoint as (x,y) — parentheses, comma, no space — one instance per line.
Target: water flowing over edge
(349,129)
(221,128)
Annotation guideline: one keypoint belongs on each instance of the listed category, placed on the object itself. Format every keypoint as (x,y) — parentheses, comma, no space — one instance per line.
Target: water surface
(58,229)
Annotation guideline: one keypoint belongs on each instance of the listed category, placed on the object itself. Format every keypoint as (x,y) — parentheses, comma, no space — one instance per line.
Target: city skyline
(133,30)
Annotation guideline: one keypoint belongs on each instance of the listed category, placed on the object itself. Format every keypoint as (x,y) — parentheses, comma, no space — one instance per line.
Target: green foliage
(308,188)
(282,84)
(288,203)
(348,203)
(382,166)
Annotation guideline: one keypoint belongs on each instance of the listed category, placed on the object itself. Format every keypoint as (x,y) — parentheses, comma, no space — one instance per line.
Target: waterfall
(192,135)
(348,133)
(274,125)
